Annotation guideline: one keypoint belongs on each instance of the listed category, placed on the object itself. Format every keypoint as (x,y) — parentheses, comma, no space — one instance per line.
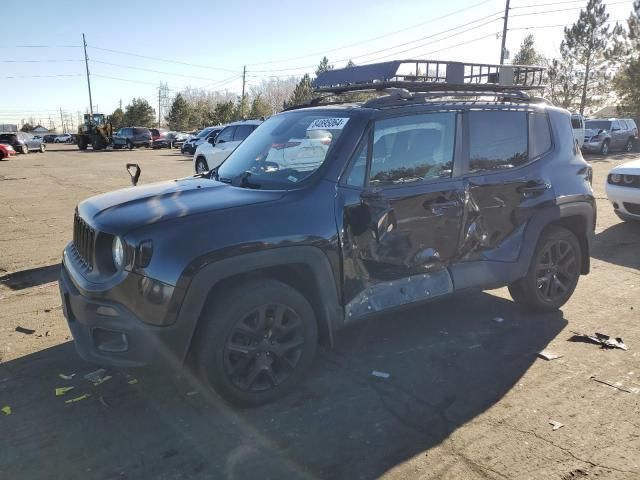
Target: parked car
(49,138)
(415,197)
(214,151)
(623,190)
(605,135)
(64,138)
(577,123)
(189,147)
(132,137)
(6,151)
(170,140)
(157,133)
(23,142)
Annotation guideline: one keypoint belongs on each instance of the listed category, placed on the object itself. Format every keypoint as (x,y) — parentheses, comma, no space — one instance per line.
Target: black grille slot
(84,240)
(633,208)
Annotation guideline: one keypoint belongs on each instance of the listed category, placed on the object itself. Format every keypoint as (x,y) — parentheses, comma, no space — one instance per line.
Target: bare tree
(274,92)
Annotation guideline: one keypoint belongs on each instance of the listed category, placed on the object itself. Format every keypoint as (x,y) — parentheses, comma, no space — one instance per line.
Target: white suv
(212,153)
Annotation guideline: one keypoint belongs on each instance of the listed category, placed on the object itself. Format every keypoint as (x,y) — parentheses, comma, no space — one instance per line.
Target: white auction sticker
(328,124)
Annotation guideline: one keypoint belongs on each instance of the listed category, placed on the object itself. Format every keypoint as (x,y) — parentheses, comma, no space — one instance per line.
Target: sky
(133,46)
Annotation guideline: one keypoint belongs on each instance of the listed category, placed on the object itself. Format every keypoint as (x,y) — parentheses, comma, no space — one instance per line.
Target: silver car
(604,135)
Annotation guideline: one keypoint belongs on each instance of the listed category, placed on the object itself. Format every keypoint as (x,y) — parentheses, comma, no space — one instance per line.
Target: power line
(44,76)
(40,61)
(373,38)
(40,46)
(558,25)
(564,9)
(149,70)
(124,79)
(159,59)
(531,5)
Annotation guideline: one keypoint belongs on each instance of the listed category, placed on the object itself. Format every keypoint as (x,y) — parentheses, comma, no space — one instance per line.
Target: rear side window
(576,123)
(140,131)
(539,134)
(242,132)
(413,148)
(497,140)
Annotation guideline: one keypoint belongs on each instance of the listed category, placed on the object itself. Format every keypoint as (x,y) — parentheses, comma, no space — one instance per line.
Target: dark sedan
(170,140)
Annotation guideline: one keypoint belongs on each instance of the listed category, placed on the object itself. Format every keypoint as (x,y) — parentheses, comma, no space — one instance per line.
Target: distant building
(39,129)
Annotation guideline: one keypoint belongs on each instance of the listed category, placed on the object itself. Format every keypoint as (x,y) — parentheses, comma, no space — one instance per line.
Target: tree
(179,114)
(27,127)
(224,112)
(303,92)
(139,113)
(274,92)
(259,108)
(563,84)
(117,118)
(323,66)
(350,64)
(527,55)
(627,81)
(591,45)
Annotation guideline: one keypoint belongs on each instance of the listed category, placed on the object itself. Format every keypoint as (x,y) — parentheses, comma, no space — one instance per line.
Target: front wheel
(553,273)
(201,165)
(129,145)
(629,146)
(24,149)
(42,147)
(604,149)
(257,342)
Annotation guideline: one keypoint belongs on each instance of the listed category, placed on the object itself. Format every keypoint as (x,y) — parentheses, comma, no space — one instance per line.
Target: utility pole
(159,105)
(86,64)
(62,121)
(503,50)
(244,75)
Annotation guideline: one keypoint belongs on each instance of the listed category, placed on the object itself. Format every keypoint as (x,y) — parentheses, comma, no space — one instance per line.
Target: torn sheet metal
(600,338)
(379,374)
(556,425)
(96,376)
(549,355)
(78,399)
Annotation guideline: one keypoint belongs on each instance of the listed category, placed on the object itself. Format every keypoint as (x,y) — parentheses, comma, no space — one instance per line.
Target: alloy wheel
(556,271)
(264,348)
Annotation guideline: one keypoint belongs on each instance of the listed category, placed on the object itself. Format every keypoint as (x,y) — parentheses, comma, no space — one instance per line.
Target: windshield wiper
(242,181)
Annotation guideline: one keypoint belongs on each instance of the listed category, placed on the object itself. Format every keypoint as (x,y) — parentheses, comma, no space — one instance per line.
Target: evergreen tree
(350,64)
(627,81)
(591,44)
(139,113)
(224,112)
(27,127)
(259,108)
(303,92)
(563,84)
(117,118)
(179,115)
(323,66)
(527,55)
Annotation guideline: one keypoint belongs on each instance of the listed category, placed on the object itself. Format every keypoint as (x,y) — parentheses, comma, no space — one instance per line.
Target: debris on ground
(6,410)
(133,381)
(378,374)
(601,339)
(66,377)
(556,425)
(103,401)
(62,390)
(617,387)
(102,380)
(96,375)
(190,394)
(26,331)
(549,355)
(498,319)
(78,399)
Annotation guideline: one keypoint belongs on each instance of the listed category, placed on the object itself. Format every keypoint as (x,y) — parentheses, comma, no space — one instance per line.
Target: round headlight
(628,179)
(616,178)
(118,253)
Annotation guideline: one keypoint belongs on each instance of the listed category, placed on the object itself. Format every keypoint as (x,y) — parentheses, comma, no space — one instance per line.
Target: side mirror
(218,141)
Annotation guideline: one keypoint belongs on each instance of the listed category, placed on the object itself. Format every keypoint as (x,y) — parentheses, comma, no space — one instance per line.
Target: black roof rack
(431,75)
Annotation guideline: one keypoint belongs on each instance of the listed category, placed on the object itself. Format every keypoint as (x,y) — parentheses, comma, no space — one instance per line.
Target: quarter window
(358,168)
(413,148)
(539,134)
(497,140)
(242,132)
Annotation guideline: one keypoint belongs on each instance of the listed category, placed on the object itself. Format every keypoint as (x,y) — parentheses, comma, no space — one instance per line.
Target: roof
(245,122)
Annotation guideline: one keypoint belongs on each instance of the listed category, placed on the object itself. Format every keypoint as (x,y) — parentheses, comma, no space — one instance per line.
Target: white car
(577,123)
(212,153)
(623,190)
(64,138)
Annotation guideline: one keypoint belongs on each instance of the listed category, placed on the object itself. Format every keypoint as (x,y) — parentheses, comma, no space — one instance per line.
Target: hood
(632,168)
(590,132)
(124,210)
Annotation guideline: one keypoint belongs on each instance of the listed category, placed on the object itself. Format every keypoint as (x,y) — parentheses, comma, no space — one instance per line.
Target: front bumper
(619,196)
(188,148)
(108,332)
(591,146)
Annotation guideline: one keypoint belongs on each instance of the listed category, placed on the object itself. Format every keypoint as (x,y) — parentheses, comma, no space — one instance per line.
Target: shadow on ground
(31,277)
(619,244)
(448,362)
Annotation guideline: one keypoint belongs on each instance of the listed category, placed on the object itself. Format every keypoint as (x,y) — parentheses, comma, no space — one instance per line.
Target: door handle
(439,208)
(537,186)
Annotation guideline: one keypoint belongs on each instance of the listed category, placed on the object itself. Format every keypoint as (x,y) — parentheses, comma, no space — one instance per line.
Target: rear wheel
(258,342)
(629,146)
(129,145)
(201,165)
(604,149)
(24,149)
(553,274)
(43,147)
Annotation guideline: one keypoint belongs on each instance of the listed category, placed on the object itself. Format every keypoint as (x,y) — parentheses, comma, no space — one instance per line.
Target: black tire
(604,148)
(629,146)
(43,147)
(257,342)
(201,165)
(129,145)
(82,142)
(553,273)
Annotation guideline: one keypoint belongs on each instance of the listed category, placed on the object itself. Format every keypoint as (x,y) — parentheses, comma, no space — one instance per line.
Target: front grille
(83,240)
(633,208)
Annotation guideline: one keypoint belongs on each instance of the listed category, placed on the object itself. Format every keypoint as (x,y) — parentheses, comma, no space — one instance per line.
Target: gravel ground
(467,398)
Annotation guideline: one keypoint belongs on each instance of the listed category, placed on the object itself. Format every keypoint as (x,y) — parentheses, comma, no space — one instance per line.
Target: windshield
(285,149)
(204,132)
(598,125)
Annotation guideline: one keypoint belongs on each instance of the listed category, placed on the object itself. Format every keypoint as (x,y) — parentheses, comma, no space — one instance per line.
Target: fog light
(106,311)
(109,340)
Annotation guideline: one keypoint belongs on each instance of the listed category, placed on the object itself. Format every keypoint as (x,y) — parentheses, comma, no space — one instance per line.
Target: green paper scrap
(66,377)
(77,399)
(133,381)
(6,410)
(62,390)
(102,380)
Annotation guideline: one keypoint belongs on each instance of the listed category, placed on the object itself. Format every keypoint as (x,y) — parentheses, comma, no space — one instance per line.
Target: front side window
(285,149)
(497,140)
(226,135)
(413,148)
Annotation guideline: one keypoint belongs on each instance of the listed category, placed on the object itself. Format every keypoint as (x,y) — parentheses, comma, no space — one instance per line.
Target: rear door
(617,135)
(402,205)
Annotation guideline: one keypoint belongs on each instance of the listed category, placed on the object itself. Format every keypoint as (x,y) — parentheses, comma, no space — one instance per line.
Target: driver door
(401,226)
